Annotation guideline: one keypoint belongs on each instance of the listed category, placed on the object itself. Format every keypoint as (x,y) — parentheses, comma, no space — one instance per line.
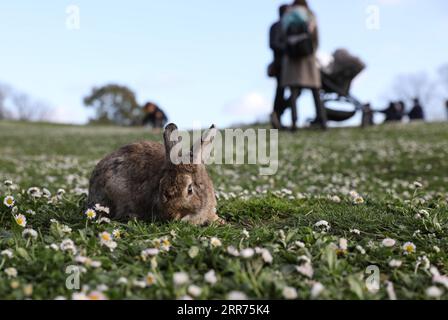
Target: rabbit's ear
(170,138)
(200,151)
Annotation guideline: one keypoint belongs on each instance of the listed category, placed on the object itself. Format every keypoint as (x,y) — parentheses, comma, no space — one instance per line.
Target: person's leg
(295,93)
(278,105)
(321,113)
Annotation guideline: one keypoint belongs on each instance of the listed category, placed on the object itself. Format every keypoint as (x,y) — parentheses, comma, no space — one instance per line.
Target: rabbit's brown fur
(139,180)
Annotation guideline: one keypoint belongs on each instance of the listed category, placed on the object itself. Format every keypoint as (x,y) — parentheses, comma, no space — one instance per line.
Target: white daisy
(7,253)
(236,295)
(30,233)
(194,290)
(11,272)
(180,278)
(395,263)
(317,289)
(388,242)
(90,213)
(210,277)
(9,201)
(434,292)
(20,220)
(215,242)
(409,248)
(247,253)
(233,251)
(289,293)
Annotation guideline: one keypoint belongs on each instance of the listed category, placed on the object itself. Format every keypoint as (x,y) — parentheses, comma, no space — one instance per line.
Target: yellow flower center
(150,280)
(9,201)
(94,296)
(105,237)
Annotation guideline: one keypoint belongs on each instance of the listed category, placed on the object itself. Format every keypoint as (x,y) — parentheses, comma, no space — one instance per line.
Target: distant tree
(114,104)
(20,106)
(411,86)
(443,72)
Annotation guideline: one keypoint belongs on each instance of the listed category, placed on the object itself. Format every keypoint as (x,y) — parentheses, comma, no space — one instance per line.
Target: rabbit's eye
(190,189)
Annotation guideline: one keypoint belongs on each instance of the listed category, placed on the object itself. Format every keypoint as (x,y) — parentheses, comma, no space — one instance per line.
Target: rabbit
(140,181)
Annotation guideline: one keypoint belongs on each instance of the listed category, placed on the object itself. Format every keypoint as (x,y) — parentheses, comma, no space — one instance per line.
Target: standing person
(277,46)
(417,111)
(299,65)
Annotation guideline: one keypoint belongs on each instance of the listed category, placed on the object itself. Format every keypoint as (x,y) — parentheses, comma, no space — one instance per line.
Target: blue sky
(203,60)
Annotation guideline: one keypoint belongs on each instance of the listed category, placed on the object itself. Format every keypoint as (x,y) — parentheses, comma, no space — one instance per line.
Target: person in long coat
(303,73)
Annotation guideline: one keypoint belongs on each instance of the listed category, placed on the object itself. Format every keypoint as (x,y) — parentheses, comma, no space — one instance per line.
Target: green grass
(279,212)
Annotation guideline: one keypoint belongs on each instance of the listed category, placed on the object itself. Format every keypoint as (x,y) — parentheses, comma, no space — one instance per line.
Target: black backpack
(299,42)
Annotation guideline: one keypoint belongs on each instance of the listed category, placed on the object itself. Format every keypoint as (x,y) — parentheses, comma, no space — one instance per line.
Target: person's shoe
(275,121)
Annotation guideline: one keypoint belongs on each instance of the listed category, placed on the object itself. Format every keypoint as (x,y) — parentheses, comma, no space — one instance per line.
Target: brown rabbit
(140,180)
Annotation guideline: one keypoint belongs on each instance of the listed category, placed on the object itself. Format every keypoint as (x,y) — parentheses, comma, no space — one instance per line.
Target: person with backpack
(299,66)
(275,68)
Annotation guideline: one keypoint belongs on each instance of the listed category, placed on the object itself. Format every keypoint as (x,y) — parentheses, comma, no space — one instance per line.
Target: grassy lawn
(386,182)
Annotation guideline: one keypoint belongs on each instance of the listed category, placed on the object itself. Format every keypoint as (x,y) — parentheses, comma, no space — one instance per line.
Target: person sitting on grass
(417,112)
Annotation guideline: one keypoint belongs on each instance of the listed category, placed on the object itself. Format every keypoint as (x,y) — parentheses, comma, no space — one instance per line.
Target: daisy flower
(90,213)
(96,295)
(395,263)
(122,281)
(180,278)
(194,290)
(266,256)
(9,201)
(20,220)
(210,277)
(434,292)
(317,289)
(236,295)
(289,293)
(68,245)
(149,253)
(358,200)
(306,269)
(105,237)
(360,249)
(409,248)
(247,253)
(117,234)
(215,242)
(150,279)
(233,251)
(322,225)
(193,252)
(7,253)
(11,272)
(388,243)
(29,233)
(418,185)
(165,244)
(106,240)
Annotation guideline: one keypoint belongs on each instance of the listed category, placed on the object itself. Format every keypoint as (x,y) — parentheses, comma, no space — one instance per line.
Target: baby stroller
(336,82)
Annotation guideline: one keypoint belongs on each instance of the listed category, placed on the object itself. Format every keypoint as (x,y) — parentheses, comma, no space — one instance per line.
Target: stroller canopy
(339,74)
